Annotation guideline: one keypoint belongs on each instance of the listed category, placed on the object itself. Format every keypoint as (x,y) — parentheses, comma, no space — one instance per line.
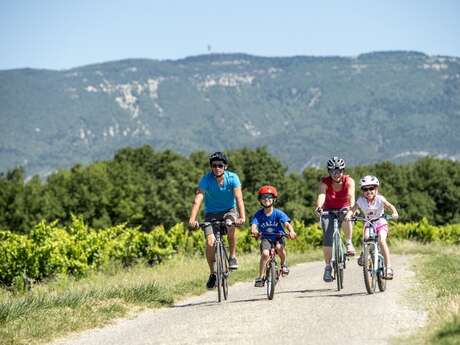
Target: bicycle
(372,258)
(338,248)
(222,270)
(272,271)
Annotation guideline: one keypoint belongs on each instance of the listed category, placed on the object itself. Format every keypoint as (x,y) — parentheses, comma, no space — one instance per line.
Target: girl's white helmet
(369,181)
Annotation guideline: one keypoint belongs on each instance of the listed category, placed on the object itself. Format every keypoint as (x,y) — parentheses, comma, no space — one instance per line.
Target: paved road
(305,310)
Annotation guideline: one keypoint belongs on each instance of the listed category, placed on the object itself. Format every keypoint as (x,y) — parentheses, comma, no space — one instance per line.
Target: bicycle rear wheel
(225,273)
(381,282)
(219,273)
(271,279)
(368,270)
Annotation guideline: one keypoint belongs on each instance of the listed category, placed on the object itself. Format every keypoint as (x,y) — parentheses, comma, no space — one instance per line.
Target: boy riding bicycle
(372,204)
(269,223)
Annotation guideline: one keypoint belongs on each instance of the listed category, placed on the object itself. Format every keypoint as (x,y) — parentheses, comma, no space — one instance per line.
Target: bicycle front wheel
(271,279)
(369,269)
(339,264)
(226,273)
(381,282)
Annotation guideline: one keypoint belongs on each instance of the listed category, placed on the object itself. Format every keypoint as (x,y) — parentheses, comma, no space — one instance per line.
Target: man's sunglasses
(368,189)
(218,166)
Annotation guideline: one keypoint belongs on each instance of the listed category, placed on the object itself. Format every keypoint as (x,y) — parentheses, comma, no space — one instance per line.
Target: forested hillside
(393,106)
(146,187)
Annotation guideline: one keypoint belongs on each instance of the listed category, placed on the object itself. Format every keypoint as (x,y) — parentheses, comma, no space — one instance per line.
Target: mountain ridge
(375,106)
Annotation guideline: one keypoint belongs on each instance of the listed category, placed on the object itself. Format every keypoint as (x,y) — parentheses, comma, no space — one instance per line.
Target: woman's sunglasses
(368,189)
(335,171)
(217,166)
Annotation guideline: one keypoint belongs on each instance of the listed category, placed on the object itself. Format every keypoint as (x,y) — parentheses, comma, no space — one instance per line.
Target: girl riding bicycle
(269,223)
(372,204)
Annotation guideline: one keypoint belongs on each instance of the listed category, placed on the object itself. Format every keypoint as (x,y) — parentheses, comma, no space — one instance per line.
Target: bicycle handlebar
(337,213)
(277,235)
(226,222)
(385,216)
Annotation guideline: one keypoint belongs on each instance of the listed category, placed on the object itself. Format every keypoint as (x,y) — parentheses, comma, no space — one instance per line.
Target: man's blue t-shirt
(270,225)
(219,198)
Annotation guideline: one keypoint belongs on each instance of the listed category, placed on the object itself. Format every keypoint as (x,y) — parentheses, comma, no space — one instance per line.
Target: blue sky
(61,34)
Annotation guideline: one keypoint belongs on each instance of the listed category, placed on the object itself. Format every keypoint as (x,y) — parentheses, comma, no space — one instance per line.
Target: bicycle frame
(220,257)
(338,260)
(272,271)
(373,270)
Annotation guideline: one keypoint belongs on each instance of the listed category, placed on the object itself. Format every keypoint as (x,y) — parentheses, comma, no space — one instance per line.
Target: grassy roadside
(64,305)
(437,269)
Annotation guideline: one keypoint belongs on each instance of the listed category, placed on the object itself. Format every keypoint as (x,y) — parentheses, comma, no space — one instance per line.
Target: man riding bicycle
(336,192)
(221,191)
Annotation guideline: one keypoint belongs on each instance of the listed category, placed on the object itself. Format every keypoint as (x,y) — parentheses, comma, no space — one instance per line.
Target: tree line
(143,187)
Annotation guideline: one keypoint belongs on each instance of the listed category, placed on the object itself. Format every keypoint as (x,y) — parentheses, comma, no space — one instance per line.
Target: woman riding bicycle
(336,192)
(269,223)
(219,189)
(372,204)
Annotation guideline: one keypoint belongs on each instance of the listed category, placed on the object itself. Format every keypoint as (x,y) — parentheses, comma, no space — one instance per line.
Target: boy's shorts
(266,245)
(218,216)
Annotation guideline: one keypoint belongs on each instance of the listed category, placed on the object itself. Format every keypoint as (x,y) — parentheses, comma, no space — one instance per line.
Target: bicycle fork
(375,256)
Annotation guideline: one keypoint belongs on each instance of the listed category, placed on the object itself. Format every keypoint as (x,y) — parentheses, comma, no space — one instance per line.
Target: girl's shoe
(284,270)
(388,273)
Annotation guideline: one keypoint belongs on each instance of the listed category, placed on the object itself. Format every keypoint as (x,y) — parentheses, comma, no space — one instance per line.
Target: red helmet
(267,189)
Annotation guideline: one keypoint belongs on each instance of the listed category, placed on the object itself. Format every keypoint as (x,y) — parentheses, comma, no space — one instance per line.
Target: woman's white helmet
(369,180)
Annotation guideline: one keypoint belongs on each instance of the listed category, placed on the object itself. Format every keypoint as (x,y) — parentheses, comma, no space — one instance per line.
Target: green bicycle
(338,247)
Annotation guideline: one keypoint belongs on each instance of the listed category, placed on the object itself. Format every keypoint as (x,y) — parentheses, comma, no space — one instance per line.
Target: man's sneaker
(327,277)
(232,263)
(350,249)
(360,259)
(284,270)
(260,282)
(211,284)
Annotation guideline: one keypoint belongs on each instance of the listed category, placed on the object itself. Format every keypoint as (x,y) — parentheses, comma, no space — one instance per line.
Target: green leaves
(76,249)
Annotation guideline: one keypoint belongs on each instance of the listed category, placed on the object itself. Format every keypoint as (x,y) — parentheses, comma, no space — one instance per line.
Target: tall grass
(438,277)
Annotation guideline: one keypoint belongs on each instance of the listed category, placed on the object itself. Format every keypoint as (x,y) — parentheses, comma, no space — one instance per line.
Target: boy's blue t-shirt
(270,225)
(219,198)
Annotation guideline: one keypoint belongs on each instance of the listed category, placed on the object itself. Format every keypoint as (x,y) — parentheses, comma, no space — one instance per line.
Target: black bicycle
(372,258)
(221,266)
(272,270)
(338,248)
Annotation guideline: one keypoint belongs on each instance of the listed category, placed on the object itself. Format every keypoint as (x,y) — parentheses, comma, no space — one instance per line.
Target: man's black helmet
(218,156)
(335,163)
